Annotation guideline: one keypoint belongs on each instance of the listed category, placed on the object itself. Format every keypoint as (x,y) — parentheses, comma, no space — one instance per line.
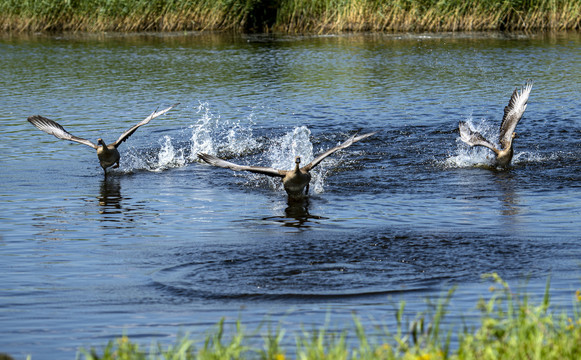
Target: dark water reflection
(510,201)
(168,244)
(377,263)
(110,198)
(297,215)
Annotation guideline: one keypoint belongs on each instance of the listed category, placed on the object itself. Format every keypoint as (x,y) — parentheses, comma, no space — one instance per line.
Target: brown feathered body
(295,181)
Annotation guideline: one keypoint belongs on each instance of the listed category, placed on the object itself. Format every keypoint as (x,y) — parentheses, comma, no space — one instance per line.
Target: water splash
(165,157)
(207,134)
(282,153)
(527,157)
(201,132)
(225,138)
(168,156)
(231,140)
(469,156)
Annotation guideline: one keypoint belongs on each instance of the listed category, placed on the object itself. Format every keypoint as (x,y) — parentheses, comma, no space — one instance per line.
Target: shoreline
(290,17)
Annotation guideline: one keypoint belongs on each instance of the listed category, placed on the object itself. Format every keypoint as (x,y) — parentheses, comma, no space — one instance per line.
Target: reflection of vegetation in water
(290,15)
(511,327)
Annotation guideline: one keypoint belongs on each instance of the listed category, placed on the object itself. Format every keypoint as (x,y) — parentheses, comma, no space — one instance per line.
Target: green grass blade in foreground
(512,326)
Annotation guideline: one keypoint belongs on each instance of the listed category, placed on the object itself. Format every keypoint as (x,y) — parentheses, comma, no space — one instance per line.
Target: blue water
(168,245)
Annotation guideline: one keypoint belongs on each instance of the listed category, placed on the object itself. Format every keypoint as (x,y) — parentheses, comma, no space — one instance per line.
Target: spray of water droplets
(208,133)
(470,156)
(282,152)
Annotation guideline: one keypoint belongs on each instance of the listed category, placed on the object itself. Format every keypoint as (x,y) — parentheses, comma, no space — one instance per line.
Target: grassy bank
(290,16)
(511,327)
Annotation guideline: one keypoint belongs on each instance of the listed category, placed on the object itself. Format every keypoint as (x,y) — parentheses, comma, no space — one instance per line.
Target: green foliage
(289,15)
(215,349)
(511,327)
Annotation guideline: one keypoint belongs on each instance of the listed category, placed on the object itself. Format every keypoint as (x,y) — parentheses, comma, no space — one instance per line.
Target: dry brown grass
(290,16)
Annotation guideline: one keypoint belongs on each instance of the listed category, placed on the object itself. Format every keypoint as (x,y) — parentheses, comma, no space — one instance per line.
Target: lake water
(168,245)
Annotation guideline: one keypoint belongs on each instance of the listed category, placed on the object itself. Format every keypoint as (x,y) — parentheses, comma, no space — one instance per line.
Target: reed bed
(431,15)
(512,326)
(288,16)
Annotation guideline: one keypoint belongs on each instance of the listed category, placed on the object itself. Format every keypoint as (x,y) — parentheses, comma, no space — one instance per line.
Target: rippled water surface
(167,244)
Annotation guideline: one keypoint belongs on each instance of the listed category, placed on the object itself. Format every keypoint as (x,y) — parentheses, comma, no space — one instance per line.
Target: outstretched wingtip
(349,142)
(161,112)
(528,86)
(356,137)
(54,128)
(38,121)
(157,113)
(525,91)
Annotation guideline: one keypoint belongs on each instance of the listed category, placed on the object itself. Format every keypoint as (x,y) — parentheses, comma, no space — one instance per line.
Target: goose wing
(349,142)
(130,132)
(53,128)
(213,160)
(513,113)
(474,138)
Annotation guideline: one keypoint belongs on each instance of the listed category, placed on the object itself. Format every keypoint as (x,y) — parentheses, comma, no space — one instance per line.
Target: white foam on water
(168,156)
(239,140)
(234,141)
(283,151)
(201,139)
(524,157)
(132,160)
(213,136)
(469,156)
(208,133)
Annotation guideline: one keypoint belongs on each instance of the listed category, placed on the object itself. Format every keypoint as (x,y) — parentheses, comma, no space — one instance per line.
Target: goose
(513,112)
(296,181)
(108,154)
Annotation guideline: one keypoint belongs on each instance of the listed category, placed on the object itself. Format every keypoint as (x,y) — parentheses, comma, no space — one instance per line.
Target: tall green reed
(512,326)
(291,16)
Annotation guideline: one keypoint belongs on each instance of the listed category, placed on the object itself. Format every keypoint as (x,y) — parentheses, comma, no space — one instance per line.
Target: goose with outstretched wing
(513,112)
(296,181)
(108,154)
